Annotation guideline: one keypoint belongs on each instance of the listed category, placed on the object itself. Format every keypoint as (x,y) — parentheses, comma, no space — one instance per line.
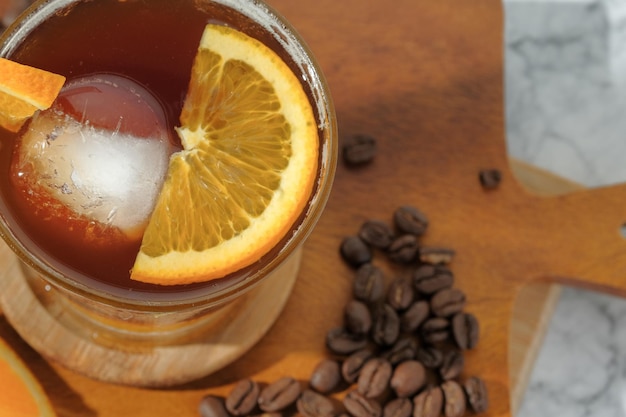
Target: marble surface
(565,84)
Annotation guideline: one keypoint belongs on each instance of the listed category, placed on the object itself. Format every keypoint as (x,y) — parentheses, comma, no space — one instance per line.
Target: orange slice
(23,91)
(247,168)
(20,392)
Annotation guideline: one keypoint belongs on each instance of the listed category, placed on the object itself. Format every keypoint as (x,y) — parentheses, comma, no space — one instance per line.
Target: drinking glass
(155,339)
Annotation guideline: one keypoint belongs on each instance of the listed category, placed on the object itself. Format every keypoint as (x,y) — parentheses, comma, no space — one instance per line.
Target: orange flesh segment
(247,169)
(23,91)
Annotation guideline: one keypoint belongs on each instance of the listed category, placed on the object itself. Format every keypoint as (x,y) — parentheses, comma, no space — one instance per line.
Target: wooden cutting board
(426,79)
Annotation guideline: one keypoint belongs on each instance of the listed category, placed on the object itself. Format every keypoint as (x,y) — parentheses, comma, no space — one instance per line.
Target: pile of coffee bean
(401,345)
(399,351)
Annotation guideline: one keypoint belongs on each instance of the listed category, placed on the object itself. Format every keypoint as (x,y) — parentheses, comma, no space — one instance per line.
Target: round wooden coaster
(237,328)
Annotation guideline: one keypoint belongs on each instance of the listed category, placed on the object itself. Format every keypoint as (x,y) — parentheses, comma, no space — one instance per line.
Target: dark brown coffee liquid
(152,43)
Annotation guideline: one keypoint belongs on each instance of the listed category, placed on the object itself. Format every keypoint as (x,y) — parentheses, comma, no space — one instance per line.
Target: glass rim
(311,75)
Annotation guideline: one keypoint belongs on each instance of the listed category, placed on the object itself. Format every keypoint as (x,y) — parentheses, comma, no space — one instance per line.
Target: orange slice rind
(23,91)
(247,169)
(20,392)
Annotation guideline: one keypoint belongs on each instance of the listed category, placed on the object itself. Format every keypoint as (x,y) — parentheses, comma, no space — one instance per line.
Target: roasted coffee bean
(403,249)
(312,404)
(357,317)
(354,251)
(211,406)
(274,414)
(490,178)
(352,365)
(410,220)
(374,378)
(243,398)
(400,294)
(404,349)
(452,365)
(359,406)
(454,399)
(376,233)
(359,149)
(369,284)
(342,342)
(398,407)
(447,302)
(386,326)
(326,376)
(429,279)
(279,395)
(408,378)
(428,403)
(414,316)
(436,256)
(435,330)
(429,356)
(465,330)
(477,397)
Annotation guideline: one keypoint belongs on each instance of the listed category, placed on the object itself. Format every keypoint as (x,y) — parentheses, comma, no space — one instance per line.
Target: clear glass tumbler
(154,339)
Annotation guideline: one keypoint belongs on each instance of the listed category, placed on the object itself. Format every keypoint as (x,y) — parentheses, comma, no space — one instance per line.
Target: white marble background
(565,83)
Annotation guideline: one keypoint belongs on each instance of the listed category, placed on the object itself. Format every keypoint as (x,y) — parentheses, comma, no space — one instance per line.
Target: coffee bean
(428,403)
(279,395)
(342,342)
(359,149)
(352,365)
(354,251)
(386,326)
(369,284)
(452,365)
(447,302)
(490,178)
(376,233)
(454,399)
(465,330)
(414,316)
(410,220)
(357,317)
(243,398)
(211,406)
(400,294)
(326,376)
(312,404)
(399,407)
(404,349)
(359,406)
(408,378)
(374,378)
(477,397)
(429,356)
(435,330)
(436,256)
(403,249)
(429,279)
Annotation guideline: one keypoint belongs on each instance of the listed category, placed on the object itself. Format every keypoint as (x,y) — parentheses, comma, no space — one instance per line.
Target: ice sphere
(102,150)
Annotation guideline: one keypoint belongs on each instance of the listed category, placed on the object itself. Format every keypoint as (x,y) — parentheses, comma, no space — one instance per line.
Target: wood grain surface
(426,78)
